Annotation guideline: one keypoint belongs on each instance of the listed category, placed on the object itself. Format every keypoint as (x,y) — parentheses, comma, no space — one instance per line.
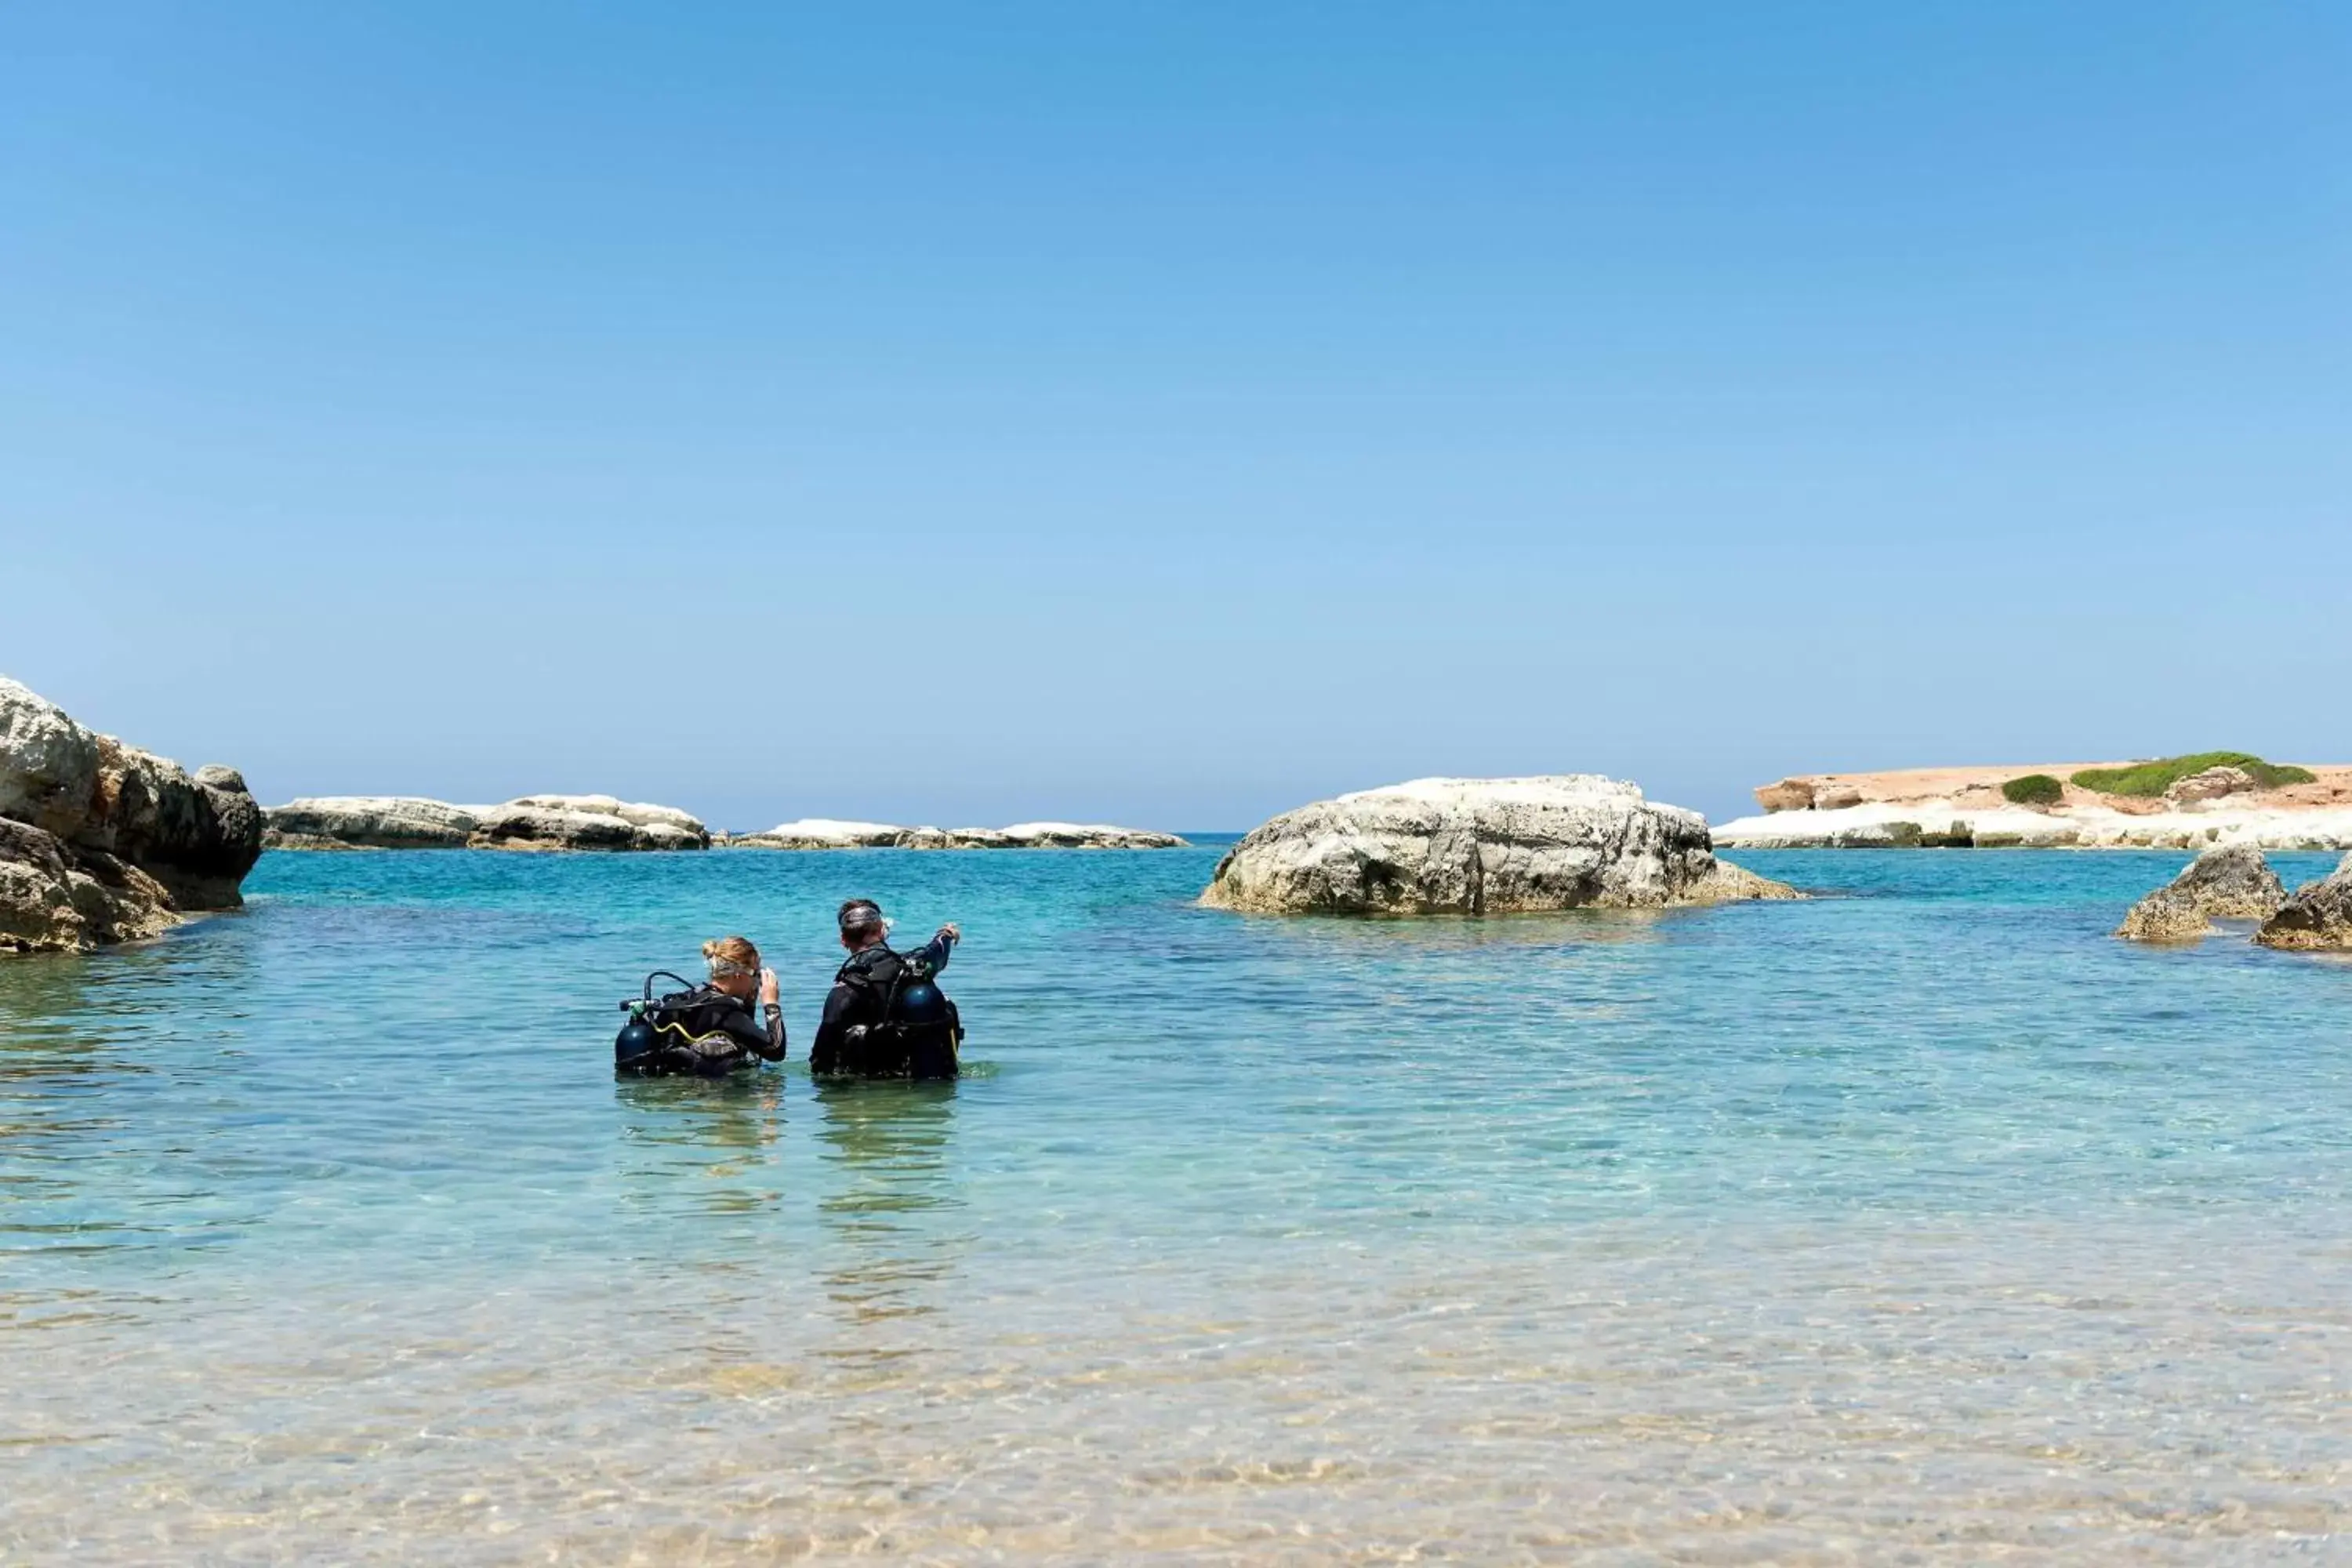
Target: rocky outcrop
(102,842)
(1477,846)
(370,821)
(820,833)
(531,822)
(522,825)
(2235,883)
(1789,795)
(824,832)
(2319,915)
(2213,783)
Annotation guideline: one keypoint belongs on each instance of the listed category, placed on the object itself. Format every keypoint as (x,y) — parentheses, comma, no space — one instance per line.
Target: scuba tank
(636,1049)
(912,1030)
(659,1038)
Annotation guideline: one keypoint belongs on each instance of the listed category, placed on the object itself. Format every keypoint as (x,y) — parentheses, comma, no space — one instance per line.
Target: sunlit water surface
(1924,1223)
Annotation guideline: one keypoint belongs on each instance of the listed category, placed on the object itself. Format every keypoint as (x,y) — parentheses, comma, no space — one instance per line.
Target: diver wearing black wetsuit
(710,1029)
(864,981)
(724,1033)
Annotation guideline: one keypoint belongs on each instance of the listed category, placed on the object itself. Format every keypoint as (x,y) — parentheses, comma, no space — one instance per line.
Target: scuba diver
(884,1018)
(706,1030)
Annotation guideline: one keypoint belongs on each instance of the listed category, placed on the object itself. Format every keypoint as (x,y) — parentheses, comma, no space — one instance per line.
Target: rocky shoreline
(1968,808)
(101,842)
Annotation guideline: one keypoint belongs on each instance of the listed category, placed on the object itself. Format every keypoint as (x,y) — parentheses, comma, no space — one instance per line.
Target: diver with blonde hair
(707,1031)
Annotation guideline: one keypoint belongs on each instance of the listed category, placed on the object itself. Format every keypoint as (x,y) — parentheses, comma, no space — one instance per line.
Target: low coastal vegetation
(2033,789)
(2149,780)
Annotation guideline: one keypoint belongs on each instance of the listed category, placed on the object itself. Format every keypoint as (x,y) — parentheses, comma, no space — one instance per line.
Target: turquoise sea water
(1922,1223)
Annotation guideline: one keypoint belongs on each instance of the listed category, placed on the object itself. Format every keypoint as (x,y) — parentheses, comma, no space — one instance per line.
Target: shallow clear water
(1921,1223)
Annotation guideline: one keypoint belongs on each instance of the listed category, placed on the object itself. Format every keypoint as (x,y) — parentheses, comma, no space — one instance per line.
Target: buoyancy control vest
(679,1032)
(905,1026)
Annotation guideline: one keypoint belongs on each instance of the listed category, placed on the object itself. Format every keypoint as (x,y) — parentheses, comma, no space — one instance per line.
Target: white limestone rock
(530,821)
(822,833)
(825,833)
(1084,836)
(48,764)
(533,822)
(370,822)
(1474,847)
(635,813)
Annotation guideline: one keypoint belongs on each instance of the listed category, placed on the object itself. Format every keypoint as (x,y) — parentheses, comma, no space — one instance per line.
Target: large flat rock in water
(528,822)
(826,833)
(1474,847)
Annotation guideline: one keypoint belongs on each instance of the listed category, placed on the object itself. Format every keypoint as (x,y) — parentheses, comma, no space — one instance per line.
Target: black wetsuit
(858,997)
(724,1033)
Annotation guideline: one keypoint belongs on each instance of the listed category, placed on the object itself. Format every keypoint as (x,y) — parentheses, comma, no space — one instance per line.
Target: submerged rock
(2231,883)
(1473,847)
(2318,915)
(102,842)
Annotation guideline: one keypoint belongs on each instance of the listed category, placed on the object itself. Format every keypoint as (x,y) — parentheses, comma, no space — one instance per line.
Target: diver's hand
(770,992)
(953,932)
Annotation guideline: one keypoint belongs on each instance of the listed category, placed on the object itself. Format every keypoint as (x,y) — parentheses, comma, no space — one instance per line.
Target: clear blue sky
(1184,410)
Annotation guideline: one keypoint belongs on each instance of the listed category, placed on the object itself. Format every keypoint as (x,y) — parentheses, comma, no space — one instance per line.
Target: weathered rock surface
(2211,784)
(1474,847)
(2233,883)
(1789,795)
(102,842)
(531,822)
(48,764)
(825,833)
(2318,915)
(370,822)
(630,812)
(821,833)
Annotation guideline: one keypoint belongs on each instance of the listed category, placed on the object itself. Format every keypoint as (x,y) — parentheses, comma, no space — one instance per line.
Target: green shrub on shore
(2150,779)
(2035,789)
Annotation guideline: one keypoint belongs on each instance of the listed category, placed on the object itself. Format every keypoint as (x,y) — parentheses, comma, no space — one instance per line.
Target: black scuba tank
(637,1048)
(634,1045)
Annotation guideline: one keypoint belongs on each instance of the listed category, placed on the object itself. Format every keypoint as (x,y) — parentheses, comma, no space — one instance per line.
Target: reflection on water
(711,1140)
(1927,1225)
(889,1214)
